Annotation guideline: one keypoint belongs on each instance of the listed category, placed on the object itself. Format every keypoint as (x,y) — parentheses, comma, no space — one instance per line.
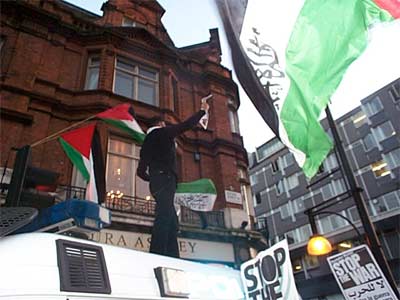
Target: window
(292,182)
(321,169)
(330,162)
(393,158)
(353,214)
(326,191)
(127,22)
(380,168)
(269,149)
(288,160)
(387,202)
(297,264)
(286,211)
(383,131)
(175,98)
(242,173)
(258,198)
(122,161)
(275,166)
(136,82)
(394,91)
(280,187)
(338,186)
(253,179)
(373,106)
(359,119)
(392,200)
(234,121)
(92,73)
(369,142)
(298,205)
(304,233)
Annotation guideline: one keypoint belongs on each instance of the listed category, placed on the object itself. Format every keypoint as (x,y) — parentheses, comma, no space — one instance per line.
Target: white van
(49,266)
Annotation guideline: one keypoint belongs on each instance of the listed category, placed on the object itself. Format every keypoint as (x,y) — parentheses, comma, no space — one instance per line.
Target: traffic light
(29,185)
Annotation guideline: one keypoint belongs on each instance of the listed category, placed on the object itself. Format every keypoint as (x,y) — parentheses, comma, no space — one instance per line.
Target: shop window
(92,73)
(136,82)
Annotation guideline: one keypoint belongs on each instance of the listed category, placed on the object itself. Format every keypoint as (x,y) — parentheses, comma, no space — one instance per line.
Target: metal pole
(369,228)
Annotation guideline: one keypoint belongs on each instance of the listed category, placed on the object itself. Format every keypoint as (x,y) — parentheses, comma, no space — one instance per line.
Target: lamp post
(369,229)
(318,244)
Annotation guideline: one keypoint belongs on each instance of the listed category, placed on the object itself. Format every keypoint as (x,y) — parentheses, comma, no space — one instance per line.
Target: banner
(269,275)
(359,276)
(197,195)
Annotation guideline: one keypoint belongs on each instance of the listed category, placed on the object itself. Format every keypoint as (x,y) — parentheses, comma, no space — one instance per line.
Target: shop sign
(188,248)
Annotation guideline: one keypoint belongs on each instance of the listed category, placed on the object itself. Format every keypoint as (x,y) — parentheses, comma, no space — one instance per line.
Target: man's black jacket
(158,149)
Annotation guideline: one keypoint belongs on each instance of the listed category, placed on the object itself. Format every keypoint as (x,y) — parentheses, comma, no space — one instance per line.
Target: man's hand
(204,106)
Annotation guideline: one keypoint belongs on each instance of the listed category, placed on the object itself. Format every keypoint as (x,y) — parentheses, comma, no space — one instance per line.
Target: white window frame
(92,67)
(136,76)
(131,156)
(233,120)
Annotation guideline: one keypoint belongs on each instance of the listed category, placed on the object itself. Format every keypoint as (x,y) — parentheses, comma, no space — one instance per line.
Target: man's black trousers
(165,230)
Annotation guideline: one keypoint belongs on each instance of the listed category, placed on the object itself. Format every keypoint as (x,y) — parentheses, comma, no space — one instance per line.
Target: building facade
(61,64)
(281,192)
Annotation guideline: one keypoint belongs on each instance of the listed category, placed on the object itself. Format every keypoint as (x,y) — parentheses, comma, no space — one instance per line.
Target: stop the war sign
(269,276)
(359,276)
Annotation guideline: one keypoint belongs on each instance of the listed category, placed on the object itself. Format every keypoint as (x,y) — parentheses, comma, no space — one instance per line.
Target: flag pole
(372,237)
(56,134)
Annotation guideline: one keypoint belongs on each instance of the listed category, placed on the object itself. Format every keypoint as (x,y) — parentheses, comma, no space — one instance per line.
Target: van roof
(30,265)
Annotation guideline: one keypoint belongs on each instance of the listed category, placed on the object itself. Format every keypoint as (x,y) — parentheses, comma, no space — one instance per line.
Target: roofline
(73,6)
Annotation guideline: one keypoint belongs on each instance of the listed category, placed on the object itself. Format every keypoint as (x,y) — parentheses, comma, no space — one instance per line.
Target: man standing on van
(157,164)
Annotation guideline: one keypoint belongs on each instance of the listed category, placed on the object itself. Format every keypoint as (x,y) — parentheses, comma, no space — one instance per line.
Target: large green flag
(297,51)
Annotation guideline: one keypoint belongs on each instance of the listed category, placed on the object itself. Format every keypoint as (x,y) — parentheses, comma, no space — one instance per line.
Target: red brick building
(61,64)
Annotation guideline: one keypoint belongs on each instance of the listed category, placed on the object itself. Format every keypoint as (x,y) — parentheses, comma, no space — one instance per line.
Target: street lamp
(318,244)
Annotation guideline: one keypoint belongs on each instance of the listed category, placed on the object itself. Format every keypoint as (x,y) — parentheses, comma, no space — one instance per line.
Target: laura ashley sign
(188,248)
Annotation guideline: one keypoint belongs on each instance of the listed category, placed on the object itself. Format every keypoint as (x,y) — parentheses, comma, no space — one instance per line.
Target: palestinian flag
(197,195)
(122,117)
(291,56)
(82,147)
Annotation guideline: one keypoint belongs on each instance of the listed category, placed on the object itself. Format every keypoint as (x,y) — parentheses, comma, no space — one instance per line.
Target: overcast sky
(188,22)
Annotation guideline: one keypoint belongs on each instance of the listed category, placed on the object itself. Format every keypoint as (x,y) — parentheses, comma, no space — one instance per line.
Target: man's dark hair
(154,121)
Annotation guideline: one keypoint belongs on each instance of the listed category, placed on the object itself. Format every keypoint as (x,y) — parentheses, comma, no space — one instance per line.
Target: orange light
(318,245)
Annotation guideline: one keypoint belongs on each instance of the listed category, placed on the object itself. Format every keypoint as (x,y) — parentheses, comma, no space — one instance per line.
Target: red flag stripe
(392,6)
(119,112)
(81,139)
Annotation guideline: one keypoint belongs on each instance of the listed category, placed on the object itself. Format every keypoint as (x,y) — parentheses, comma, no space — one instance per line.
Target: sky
(188,22)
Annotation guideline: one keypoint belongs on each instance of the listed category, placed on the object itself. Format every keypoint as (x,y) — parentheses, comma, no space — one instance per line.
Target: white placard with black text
(270,275)
(359,275)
